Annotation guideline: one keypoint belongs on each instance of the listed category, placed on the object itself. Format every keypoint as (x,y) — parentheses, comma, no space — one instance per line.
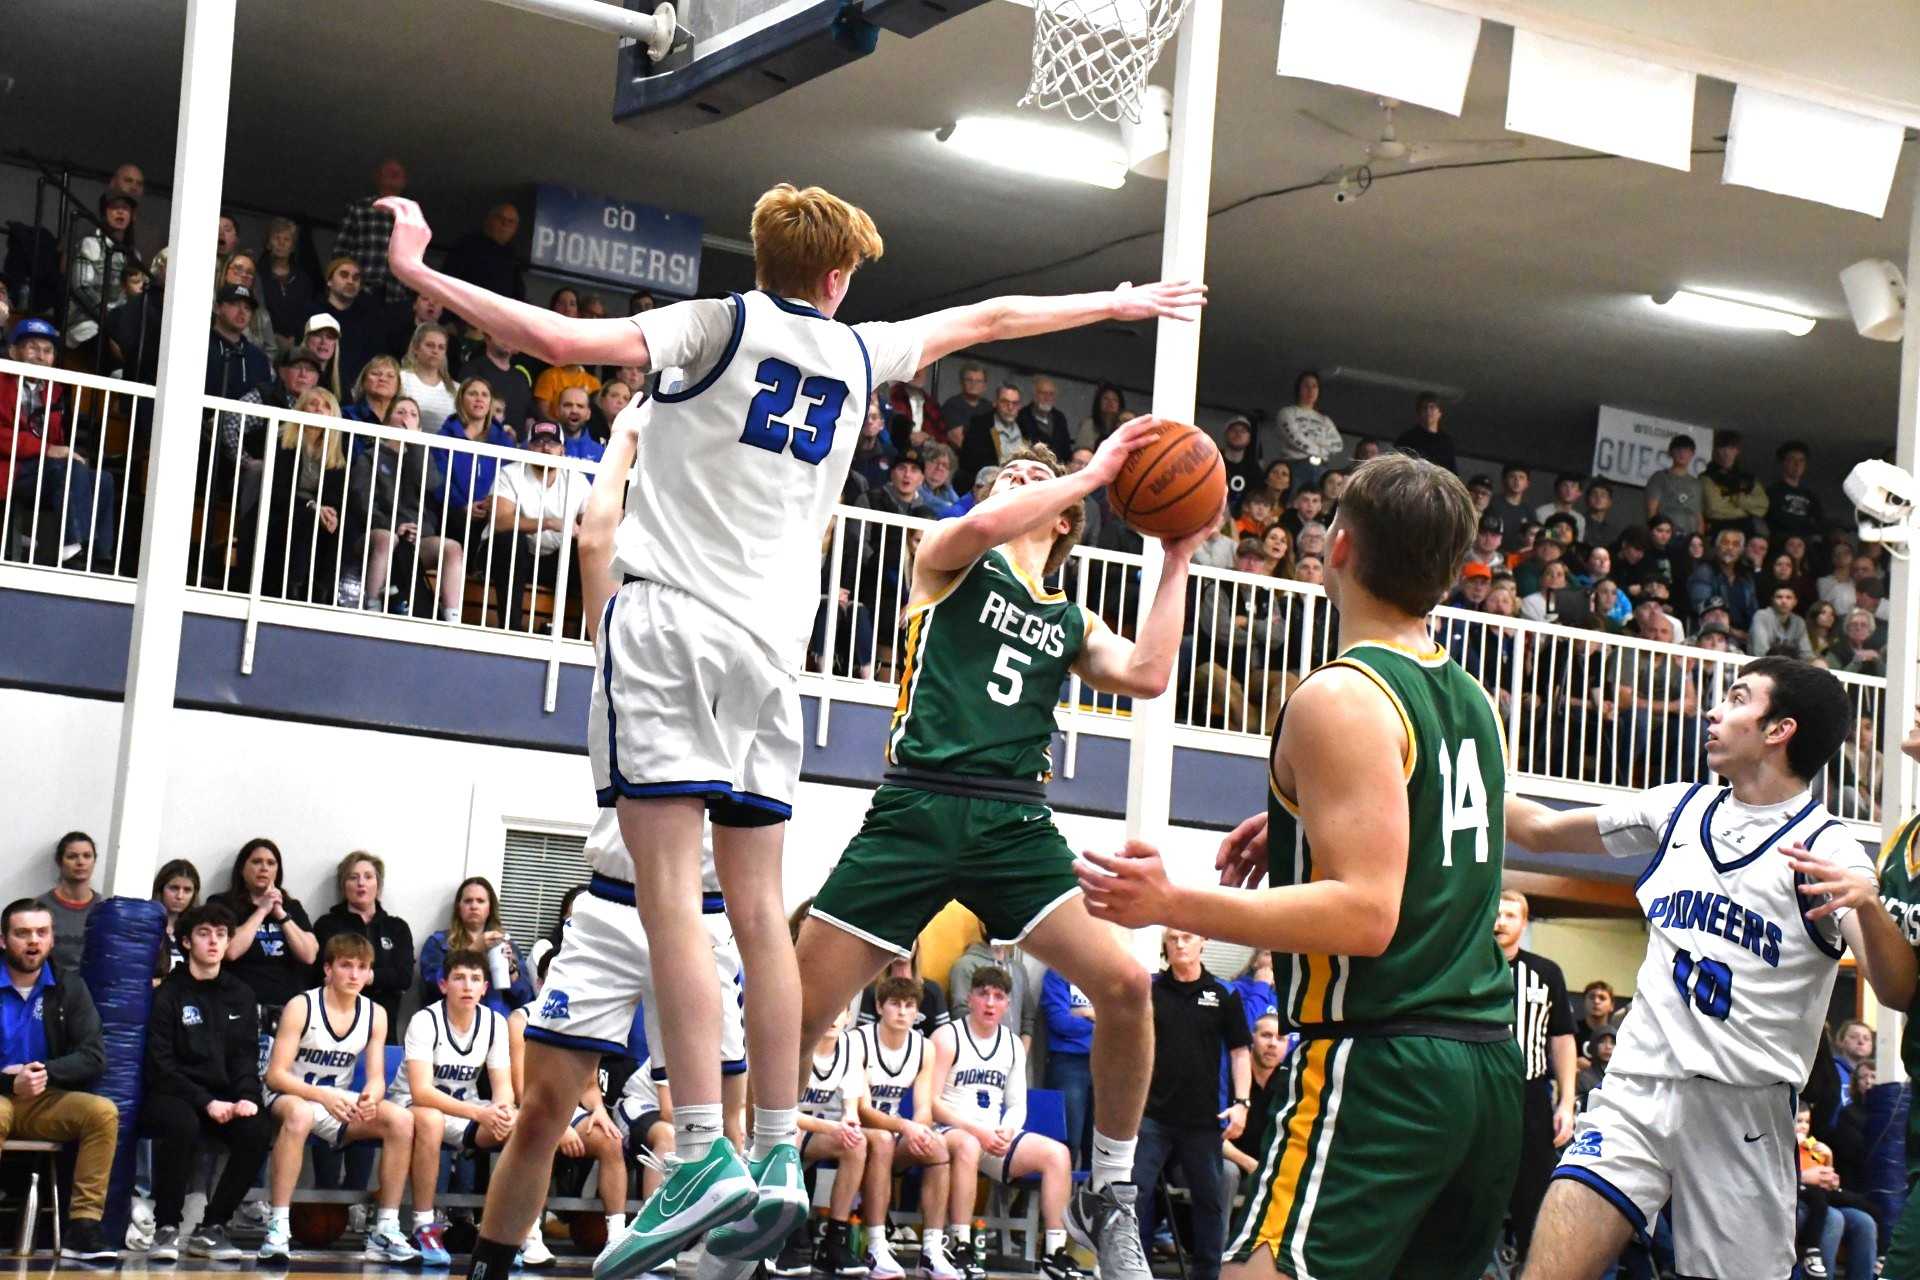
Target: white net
(1093,56)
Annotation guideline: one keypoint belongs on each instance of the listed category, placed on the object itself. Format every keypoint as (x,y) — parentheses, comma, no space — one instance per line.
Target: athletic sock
(616,1225)
(388,1221)
(962,1235)
(492,1260)
(422,1219)
(933,1238)
(1056,1240)
(770,1129)
(280,1219)
(695,1127)
(1112,1159)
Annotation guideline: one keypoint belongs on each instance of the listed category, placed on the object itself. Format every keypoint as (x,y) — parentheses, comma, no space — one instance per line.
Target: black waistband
(1387,1028)
(975,786)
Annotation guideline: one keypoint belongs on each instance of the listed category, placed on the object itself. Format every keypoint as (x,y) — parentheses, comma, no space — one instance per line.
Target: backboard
(733,54)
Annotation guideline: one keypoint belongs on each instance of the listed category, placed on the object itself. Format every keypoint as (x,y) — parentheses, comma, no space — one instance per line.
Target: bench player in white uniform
(1752,894)
(830,1132)
(696,711)
(901,1133)
(323,1035)
(451,1046)
(645,1114)
(980,1082)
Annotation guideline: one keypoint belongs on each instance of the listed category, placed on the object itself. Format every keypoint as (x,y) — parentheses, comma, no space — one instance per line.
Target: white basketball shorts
(327,1127)
(604,970)
(688,703)
(1724,1154)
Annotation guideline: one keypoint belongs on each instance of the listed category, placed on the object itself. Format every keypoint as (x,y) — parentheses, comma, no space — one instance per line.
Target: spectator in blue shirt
(572,411)
(475,926)
(1255,988)
(470,475)
(1069,1018)
(937,493)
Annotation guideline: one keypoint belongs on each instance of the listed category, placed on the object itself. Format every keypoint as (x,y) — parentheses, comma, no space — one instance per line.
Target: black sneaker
(971,1258)
(796,1255)
(1061,1265)
(84,1242)
(1813,1265)
(835,1257)
(165,1246)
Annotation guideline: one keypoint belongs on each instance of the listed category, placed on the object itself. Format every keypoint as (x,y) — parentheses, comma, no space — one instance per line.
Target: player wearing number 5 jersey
(1751,894)
(1396,1134)
(695,710)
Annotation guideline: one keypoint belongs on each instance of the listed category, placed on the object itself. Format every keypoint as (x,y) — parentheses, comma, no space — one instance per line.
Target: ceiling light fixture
(1704,308)
(1044,150)
(1374,378)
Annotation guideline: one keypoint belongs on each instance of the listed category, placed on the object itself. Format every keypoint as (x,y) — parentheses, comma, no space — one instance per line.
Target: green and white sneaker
(696,1197)
(783,1205)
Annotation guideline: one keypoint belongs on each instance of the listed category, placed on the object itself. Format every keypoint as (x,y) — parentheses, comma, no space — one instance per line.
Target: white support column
(153,658)
(1176,367)
(1903,679)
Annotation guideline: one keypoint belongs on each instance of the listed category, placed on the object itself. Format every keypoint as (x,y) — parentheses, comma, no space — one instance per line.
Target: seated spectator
(176,886)
(475,926)
(1044,421)
(1609,604)
(1728,579)
(470,476)
(1543,605)
(1870,596)
(359,879)
(1475,585)
(457,1083)
(1486,546)
(930,1009)
(299,372)
(375,391)
(272,948)
(512,390)
(1528,568)
(202,1085)
(615,395)
(235,363)
(72,899)
(1244,475)
(424,375)
(1022,1015)
(322,338)
(572,412)
(534,504)
(48,475)
(1595,1072)
(50,1051)
(1333,487)
(1836,588)
(239,270)
(1241,1156)
(1829,1217)
(996,435)
(1279,482)
(958,410)
(550,942)
(309,1091)
(937,493)
(1731,497)
(312,554)
(397,490)
(1823,628)
(1779,629)
(359,314)
(1311,540)
(1278,547)
(1257,514)
(1367,449)
(1306,505)
(99,266)
(1313,569)
(1426,438)
(1108,412)
(557,378)
(1597,564)
(907,398)
(1216,553)
(874,452)
(288,293)
(1597,1015)
(1856,650)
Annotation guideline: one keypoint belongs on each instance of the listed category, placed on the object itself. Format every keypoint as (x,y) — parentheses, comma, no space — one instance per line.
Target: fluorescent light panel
(1602,101)
(1798,148)
(1726,313)
(1044,150)
(1395,48)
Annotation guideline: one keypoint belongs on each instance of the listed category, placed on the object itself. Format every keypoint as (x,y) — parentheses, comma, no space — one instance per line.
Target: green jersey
(1443,962)
(982,674)
(1900,891)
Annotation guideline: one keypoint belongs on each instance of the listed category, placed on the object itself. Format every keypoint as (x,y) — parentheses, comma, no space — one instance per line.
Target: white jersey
(836,1081)
(607,852)
(458,1062)
(325,1058)
(988,1082)
(1736,980)
(891,1072)
(738,471)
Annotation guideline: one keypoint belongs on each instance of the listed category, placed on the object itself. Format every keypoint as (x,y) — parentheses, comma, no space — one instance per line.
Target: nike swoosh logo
(1752,1137)
(670,1205)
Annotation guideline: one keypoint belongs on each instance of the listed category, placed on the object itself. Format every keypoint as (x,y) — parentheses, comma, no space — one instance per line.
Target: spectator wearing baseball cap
(99,267)
(1476,583)
(534,503)
(1486,544)
(1244,473)
(322,338)
(235,363)
(299,374)
(48,476)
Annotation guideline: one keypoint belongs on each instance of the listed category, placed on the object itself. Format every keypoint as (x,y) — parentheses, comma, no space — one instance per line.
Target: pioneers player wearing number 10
(696,712)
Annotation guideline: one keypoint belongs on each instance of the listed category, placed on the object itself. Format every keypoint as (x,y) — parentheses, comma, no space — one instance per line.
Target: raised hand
(1173,299)
(407,246)
(1186,548)
(1242,860)
(1127,888)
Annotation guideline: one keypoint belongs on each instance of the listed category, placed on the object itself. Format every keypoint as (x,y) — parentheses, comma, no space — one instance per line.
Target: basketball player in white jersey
(645,1114)
(830,1132)
(451,1045)
(1753,892)
(695,711)
(980,1083)
(898,1116)
(323,1035)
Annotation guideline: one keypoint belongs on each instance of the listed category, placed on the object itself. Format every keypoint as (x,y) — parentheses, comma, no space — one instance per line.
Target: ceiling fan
(1390,148)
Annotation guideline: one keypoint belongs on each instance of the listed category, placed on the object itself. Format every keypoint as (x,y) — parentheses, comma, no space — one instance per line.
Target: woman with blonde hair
(243,269)
(397,494)
(425,378)
(308,544)
(322,337)
(286,292)
(374,391)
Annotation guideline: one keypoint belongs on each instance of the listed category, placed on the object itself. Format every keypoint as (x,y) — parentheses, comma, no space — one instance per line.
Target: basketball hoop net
(1093,56)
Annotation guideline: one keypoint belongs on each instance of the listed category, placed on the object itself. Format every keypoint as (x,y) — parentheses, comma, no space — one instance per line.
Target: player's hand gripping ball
(1172,486)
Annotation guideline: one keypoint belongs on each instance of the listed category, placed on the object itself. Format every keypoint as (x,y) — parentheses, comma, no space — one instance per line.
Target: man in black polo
(1195,1019)
(1543,1023)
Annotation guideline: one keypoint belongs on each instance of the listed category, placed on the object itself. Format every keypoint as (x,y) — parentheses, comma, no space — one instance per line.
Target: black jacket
(393,956)
(75,1054)
(203,1039)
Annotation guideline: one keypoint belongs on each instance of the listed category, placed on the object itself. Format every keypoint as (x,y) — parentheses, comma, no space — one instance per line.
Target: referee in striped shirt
(1543,1023)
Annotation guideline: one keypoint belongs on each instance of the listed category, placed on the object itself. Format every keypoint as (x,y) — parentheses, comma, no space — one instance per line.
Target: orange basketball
(316,1226)
(587,1228)
(1174,485)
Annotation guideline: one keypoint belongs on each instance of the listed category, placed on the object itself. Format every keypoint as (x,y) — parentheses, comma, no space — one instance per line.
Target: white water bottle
(500,963)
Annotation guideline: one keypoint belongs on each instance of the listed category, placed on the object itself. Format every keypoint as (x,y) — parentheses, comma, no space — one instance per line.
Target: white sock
(962,1235)
(616,1225)
(695,1127)
(280,1219)
(1112,1159)
(387,1221)
(1056,1240)
(422,1218)
(933,1238)
(770,1129)
(451,613)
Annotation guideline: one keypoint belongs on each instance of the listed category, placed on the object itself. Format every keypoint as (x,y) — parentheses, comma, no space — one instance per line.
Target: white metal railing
(385,550)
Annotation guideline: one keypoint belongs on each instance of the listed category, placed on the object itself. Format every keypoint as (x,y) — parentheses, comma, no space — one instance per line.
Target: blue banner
(633,245)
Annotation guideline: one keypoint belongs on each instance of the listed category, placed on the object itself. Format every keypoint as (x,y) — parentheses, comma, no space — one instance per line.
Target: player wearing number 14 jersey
(695,711)
(1751,894)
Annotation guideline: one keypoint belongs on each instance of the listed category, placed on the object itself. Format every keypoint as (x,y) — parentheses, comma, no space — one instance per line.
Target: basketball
(316,1226)
(1174,485)
(587,1228)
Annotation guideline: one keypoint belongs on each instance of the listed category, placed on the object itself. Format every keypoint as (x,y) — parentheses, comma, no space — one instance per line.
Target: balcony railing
(336,525)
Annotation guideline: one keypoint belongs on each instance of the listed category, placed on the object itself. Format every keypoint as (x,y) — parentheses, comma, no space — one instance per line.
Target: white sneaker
(534,1253)
(276,1246)
(881,1264)
(388,1246)
(935,1264)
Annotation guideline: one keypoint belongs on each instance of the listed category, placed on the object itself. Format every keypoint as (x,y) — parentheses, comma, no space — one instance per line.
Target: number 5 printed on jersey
(780,385)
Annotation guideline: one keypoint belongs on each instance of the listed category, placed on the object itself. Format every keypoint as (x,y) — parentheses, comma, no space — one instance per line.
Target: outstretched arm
(600,518)
(1538,828)
(1019,316)
(547,334)
(1143,668)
